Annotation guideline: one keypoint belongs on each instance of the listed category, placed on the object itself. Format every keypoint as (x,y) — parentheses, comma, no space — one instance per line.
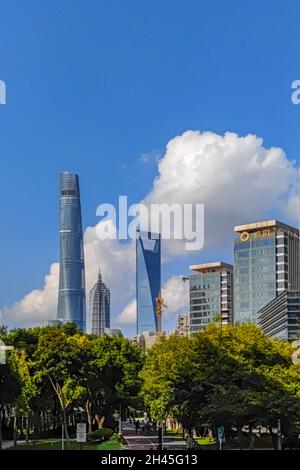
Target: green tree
(224,375)
(62,359)
(170,385)
(10,389)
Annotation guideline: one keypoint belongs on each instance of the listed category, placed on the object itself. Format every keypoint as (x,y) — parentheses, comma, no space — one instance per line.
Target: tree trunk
(65,424)
(15,430)
(27,429)
(274,440)
(240,435)
(100,421)
(251,439)
(88,408)
(22,425)
(1,428)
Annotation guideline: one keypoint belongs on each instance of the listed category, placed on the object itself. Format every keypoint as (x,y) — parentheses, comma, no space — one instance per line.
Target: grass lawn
(260,443)
(55,444)
(204,441)
(263,442)
(174,434)
(112,444)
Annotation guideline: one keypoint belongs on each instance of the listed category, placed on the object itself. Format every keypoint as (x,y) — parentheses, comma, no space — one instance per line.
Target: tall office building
(211,294)
(100,307)
(71,296)
(148,280)
(266,263)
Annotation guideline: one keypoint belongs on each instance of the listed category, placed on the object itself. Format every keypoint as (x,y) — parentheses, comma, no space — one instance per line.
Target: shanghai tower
(71,295)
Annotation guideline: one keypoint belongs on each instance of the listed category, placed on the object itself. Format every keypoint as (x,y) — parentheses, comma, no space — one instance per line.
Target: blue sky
(93,85)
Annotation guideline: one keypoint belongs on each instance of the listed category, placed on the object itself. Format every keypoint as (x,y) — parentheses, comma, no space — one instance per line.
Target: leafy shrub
(100,435)
(291,442)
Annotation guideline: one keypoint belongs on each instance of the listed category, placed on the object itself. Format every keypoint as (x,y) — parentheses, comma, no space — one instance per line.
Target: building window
(68,192)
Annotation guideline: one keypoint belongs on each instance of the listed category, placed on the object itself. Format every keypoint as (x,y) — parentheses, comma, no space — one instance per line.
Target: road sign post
(81,433)
(221,434)
(161,436)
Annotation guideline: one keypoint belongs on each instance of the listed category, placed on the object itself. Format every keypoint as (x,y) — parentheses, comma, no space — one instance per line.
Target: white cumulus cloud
(175,296)
(236,178)
(128,314)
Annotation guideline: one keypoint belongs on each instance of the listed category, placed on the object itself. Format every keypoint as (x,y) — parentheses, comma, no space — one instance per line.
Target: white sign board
(3,350)
(296,353)
(81,432)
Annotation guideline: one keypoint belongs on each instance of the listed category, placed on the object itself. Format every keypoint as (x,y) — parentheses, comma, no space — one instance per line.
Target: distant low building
(147,339)
(183,325)
(113,332)
(53,323)
(280,318)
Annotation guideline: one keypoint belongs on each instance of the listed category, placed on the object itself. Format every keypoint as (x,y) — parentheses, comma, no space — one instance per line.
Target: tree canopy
(229,375)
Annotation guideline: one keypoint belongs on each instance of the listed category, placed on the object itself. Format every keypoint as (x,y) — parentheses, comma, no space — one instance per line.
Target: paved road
(148,441)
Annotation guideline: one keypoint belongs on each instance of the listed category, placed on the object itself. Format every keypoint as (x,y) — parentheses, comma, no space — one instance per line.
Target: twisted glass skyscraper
(148,280)
(71,296)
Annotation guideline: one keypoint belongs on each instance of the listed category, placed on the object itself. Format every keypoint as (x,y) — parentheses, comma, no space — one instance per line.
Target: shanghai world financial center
(148,280)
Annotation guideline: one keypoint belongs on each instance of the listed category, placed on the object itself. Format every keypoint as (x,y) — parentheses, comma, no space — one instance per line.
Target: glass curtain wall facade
(281,317)
(211,294)
(100,307)
(148,280)
(254,276)
(266,263)
(71,296)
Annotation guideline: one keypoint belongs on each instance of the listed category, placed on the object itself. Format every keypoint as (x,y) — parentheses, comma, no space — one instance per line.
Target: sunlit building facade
(266,263)
(71,296)
(211,294)
(280,318)
(148,280)
(100,307)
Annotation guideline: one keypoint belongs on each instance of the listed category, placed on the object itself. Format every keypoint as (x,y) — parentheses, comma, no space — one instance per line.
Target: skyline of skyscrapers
(266,265)
(148,280)
(71,305)
(100,307)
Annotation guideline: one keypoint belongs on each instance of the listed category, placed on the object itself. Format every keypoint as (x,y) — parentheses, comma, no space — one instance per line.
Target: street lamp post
(279,446)
(120,419)
(161,436)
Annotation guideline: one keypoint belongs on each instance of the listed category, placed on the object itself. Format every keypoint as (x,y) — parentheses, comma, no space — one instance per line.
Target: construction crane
(159,310)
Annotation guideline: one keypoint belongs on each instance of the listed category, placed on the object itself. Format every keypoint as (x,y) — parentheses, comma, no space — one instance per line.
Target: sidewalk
(148,441)
(7,444)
